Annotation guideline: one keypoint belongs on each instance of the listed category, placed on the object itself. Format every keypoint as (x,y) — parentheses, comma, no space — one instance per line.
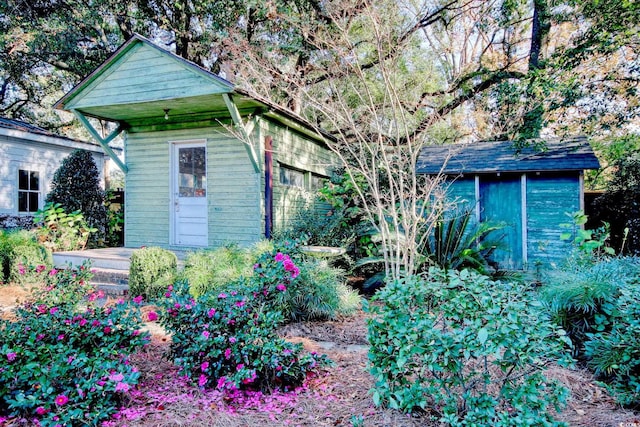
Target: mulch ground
(334,399)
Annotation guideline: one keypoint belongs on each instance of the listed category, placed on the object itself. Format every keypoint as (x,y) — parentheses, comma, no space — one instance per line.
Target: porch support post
(244,130)
(268,186)
(104,142)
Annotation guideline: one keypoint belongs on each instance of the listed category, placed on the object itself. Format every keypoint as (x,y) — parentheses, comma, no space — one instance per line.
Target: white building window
(28,190)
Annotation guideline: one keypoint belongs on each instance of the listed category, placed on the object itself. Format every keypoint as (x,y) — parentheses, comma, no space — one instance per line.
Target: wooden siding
(233,195)
(549,198)
(293,150)
(462,192)
(145,74)
(45,158)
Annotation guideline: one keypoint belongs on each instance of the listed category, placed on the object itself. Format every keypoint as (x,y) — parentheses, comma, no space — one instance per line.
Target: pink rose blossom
(222,295)
(206,334)
(221,382)
(21,269)
(152,316)
(280,257)
(232,340)
(211,312)
(227,354)
(138,299)
(240,303)
(204,366)
(11,356)
(53,310)
(107,330)
(240,367)
(281,287)
(40,268)
(53,272)
(41,411)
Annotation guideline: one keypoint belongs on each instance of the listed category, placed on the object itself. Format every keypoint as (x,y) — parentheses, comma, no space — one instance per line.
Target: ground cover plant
(467,350)
(63,359)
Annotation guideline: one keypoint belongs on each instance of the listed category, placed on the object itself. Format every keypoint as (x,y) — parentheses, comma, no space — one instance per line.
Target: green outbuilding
(529,191)
(205,162)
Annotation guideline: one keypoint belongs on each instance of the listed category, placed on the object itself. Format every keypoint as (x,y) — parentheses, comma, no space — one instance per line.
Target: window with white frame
(28,190)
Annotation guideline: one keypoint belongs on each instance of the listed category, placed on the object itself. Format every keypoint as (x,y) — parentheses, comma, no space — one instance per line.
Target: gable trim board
(541,193)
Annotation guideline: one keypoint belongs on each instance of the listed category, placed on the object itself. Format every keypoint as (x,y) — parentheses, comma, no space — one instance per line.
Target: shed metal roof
(502,156)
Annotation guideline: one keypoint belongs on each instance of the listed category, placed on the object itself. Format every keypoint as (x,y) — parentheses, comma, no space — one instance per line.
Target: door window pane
(192,172)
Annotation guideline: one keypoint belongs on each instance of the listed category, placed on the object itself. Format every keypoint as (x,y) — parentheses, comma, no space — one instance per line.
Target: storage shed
(205,162)
(529,191)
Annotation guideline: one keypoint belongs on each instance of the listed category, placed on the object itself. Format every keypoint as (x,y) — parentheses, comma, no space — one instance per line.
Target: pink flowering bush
(64,361)
(227,340)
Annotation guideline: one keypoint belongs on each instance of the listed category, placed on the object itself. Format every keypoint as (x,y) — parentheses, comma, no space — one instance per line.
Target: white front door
(189,189)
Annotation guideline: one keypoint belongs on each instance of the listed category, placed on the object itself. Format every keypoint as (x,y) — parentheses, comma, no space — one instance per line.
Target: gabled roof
(18,129)
(140,82)
(501,156)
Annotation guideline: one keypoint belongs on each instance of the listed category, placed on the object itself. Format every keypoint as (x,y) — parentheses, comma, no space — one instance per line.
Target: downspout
(268,186)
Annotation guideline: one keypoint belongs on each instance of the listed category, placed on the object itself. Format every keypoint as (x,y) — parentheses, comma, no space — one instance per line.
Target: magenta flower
(240,303)
(232,340)
(152,316)
(202,380)
(281,287)
(222,381)
(21,269)
(170,288)
(123,387)
(107,330)
(280,257)
(60,337)
(211,312)
(61,399)
(227,354)
(222,295)
(53,310)
(11,356)
(42,308)
(204,366)
(167,294)
(95,323)
(138,299)
(206,334)
(116,377)
(53,272)
(40,268)
(41,411)
(240,367)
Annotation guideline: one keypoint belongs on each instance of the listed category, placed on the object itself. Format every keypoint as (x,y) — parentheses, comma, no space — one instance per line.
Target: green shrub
(18,250)
(227,340)
(599,306)
(62,365)
(25,256)
(582,297)
(209,270)
(76,187)
(318,291)
(468,349)
(151,270)
(614,354)
(61,231)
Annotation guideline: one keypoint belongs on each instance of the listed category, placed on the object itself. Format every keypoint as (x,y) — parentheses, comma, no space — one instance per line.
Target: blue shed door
(501,202)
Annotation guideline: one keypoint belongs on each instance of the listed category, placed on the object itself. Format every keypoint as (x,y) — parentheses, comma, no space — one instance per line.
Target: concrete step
(109,258)
(112,290)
